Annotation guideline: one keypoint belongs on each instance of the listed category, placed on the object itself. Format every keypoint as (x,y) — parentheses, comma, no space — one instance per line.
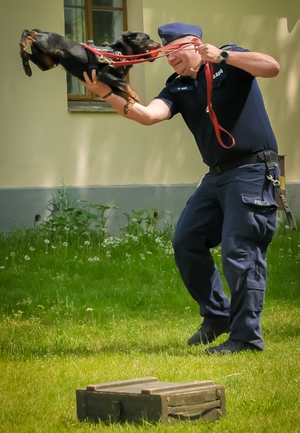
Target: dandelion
(2,267)
(31,248)
(27,258)
(65,244)
(134,220)
(89,309)
(47,241)
(158,240)
(53,246)
(87,243)
(12,254)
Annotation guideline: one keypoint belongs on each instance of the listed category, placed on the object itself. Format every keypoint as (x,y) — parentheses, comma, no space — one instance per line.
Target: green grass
(98,310)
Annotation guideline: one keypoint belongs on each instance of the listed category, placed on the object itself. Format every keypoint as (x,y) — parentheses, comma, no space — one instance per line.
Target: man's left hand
(209,53)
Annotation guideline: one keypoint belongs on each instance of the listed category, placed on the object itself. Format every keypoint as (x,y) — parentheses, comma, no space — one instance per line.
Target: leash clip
(102,59)
(275,182)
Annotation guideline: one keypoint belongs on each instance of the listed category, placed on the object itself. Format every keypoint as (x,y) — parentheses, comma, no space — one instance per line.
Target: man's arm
(257,64)
(155,112)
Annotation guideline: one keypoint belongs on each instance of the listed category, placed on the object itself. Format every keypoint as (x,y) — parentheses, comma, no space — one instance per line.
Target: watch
(223,56)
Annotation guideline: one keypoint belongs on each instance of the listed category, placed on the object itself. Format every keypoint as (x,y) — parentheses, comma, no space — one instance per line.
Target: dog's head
(138,42)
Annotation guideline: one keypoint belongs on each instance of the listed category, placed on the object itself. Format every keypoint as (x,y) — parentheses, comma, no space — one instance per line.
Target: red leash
(209,72)
(134,59)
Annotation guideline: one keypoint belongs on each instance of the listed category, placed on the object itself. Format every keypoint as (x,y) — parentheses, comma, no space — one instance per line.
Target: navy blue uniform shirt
(238,104)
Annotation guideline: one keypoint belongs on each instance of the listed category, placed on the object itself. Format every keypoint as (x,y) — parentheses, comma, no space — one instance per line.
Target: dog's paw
(128,106)
(27,68)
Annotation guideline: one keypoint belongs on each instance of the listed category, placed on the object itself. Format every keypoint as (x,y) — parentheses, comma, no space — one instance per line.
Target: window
(92,20)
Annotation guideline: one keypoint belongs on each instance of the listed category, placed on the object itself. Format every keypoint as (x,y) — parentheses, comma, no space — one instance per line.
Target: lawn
(79,307)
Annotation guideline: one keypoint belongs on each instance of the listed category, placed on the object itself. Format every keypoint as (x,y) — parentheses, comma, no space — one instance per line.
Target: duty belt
(248,159)
(270,159)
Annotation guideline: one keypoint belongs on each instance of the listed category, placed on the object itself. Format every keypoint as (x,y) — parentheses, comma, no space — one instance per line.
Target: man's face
(186,60)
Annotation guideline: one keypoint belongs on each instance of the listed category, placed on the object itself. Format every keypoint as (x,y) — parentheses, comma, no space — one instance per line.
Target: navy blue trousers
(238,210)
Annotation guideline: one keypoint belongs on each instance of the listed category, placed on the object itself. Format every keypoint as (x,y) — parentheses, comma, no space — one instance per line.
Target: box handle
(115,411)
(192,411)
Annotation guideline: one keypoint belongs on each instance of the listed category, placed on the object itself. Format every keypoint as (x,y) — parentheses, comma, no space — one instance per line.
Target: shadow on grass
(134,348)
(272,334)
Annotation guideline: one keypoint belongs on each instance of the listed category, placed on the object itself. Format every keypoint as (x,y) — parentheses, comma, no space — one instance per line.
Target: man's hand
(209,53)
(94,85)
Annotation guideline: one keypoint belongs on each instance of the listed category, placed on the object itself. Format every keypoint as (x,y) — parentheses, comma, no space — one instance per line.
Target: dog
(49,50)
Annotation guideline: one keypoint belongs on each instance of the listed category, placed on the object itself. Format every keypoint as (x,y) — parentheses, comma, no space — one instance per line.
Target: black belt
(248,159)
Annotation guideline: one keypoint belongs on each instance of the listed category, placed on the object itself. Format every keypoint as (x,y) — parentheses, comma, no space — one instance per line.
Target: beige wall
(42,143)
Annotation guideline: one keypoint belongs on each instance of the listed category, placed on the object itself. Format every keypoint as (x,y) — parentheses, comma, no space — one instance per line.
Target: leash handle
(209,72)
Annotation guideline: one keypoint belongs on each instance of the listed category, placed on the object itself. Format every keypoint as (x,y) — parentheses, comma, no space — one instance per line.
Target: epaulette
(228,46)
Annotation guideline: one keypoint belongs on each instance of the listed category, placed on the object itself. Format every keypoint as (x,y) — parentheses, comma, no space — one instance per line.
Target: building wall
(43,143)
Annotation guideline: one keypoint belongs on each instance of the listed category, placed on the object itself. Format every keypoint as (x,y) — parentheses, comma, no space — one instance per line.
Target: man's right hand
(155,112)
(94,85)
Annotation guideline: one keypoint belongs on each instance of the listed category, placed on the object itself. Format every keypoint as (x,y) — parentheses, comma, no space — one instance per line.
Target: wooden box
(148,399)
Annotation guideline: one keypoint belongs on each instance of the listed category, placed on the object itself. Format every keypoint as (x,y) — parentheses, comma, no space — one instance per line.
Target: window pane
(74,2)
(75,24)
(75,29)
(107,26)
(108,3)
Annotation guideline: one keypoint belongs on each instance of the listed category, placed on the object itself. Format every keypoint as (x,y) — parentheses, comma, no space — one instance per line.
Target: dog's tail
(23,53)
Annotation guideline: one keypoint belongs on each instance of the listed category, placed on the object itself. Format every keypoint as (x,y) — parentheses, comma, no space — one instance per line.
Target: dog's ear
(128,35)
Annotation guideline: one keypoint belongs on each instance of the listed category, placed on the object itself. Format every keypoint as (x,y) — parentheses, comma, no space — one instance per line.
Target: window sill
(90,106)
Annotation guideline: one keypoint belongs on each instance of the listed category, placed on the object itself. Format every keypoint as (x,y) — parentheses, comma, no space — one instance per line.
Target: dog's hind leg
(24,54)
(40,58)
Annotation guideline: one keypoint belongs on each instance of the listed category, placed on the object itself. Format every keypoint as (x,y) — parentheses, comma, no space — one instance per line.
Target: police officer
(235,202)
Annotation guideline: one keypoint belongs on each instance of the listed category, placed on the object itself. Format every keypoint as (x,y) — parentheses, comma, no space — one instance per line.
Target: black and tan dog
(50,49)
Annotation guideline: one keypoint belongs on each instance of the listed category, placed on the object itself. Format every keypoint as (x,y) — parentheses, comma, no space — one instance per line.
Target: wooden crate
(148,399)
